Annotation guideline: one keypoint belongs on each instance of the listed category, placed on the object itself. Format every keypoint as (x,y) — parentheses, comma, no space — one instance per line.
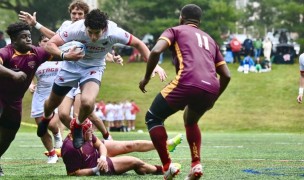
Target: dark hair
(14,29)
(41,37)
(191,12)
(79,5)
(96,19)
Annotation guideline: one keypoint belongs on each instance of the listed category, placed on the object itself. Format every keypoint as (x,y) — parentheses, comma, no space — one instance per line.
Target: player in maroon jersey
(195,89)
(18,64)
(92,158)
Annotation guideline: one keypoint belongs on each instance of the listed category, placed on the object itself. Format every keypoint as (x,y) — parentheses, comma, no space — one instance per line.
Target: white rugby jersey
(64,25)
(45,75)
(95,52)
(301,62)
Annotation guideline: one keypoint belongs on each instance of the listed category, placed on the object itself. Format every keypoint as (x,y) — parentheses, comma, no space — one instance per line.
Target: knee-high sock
(159,138)
(194,140)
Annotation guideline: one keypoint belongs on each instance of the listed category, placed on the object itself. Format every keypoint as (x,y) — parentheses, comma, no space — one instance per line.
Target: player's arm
(52,47)
(32,87)
(31,20)
(301,87)
(6,72)
(102,161)
(153,59)
(144,51)
(224,73)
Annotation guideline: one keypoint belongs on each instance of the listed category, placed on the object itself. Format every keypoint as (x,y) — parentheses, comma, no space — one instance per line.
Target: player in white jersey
(301,63)
(78,9)
(45,76)
(128,115)
(99,35)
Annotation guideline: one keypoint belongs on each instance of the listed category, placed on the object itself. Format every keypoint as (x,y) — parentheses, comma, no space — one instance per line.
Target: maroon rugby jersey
(195,55)
(16,61)
(75,159)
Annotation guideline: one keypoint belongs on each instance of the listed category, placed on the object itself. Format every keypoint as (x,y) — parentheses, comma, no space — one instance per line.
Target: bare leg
(46,138)
(51,104)
(64,111)
(122,147)
(88,96)
(123,164)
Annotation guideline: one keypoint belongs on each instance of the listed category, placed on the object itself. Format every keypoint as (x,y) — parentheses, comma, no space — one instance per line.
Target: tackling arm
(31,20)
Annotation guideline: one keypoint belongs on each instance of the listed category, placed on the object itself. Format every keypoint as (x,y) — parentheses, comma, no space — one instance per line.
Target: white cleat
(52,159)
(195,173)
(173,170)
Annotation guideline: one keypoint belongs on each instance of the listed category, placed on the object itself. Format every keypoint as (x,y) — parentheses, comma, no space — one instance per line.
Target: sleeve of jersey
(3,55)
(119,35)
(167,35)
(219,60)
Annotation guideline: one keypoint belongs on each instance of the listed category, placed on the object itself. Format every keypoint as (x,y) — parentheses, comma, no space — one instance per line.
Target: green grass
(224,156)
(264,102)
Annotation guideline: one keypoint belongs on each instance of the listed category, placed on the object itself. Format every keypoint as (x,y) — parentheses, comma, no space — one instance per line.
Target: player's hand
(19,76)
(74,54)
(102,164)
(299,99)
(161,72)
(117,58)
(28,18)
(32,88)
(142,85)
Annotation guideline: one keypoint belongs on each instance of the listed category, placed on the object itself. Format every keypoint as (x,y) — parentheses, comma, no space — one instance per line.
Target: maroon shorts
(180,96)
(10,114)
(110,168)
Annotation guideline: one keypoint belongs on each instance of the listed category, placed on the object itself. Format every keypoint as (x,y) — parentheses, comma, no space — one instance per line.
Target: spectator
(267,46)
(248,46)
(134,111)
(236,48)
(2,40)
(257,44)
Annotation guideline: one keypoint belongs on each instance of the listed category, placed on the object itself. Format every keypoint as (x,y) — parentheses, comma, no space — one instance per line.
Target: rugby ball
(67,46)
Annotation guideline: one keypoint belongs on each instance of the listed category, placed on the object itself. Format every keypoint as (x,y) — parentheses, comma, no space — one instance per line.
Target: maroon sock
(106,135)
(159,170)
(194,140)
(159,138)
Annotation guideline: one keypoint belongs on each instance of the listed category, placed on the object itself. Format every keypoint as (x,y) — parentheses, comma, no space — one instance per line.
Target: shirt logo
(127,35)
(92,72)
(31,64)
(65,34)
(61,79)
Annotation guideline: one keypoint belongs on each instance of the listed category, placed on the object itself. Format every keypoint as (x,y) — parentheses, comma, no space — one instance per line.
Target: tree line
(142,16)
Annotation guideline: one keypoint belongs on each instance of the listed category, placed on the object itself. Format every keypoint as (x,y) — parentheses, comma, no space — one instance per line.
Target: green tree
(141,17)
(51,14)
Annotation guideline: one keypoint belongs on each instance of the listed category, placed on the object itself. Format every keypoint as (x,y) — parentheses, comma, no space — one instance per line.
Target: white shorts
(38,104)
(72,74)
(73,92)
(128,116)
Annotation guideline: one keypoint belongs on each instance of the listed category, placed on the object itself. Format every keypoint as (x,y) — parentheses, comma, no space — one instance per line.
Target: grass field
(254,131)
(224,156)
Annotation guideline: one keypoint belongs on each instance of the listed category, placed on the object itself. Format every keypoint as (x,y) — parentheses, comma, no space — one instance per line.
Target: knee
(152,121)
(87,105)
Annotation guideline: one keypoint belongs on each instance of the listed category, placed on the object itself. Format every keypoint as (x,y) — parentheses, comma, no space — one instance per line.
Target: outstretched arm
(144,51)
(301,86)
(31,20)
(153,59)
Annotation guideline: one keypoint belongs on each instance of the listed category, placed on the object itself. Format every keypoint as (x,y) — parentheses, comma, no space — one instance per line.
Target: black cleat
(77,137)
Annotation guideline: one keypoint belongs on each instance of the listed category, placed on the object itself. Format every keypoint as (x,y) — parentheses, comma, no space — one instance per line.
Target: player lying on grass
(123,147)
(96,158)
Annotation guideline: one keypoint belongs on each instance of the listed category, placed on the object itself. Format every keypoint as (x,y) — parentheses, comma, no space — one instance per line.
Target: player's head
(190,13)
(86,129)
(78,9)
(43,40)
(96,22)
(20,36)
